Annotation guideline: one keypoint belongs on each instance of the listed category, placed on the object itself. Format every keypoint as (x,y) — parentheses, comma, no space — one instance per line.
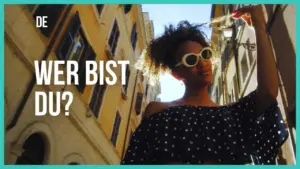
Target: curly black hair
(160,55)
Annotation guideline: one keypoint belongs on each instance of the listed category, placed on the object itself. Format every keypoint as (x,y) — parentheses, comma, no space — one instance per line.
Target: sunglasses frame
(199,55)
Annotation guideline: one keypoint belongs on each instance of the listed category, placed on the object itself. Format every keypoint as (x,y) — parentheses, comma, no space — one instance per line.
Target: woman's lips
(204,71)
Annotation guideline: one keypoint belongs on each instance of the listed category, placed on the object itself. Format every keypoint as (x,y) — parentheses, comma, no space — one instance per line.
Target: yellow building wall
(96,30)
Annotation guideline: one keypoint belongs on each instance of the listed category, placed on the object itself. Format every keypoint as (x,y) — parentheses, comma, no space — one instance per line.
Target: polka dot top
(195,134)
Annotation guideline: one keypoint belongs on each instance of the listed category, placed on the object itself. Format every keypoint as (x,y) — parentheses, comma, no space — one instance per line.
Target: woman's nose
(201,63)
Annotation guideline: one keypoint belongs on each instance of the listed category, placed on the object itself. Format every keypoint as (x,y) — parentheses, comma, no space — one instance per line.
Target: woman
(194,129)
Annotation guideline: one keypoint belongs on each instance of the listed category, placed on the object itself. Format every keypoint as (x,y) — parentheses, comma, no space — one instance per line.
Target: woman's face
(196,76)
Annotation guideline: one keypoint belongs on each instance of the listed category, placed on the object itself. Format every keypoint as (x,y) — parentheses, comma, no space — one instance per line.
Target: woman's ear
(176,76)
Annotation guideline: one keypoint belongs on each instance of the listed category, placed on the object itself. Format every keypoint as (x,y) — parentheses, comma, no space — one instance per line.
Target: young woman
(194,129)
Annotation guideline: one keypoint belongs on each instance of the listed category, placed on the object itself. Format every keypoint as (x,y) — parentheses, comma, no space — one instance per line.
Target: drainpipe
(129,116)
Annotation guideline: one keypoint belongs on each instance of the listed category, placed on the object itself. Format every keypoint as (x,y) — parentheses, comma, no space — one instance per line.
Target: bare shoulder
(154,107)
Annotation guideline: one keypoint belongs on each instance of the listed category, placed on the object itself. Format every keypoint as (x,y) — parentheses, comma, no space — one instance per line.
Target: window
(99,8)
(127,79)
(74,46)
(146,91)
(131,133)
(88,54)
(116,127)
(235,86)
(244,67)
(97,98)
(53,12)
(114,37)
(33,150)
(250,54)
(133,36)
(69,38)
(73,163)
(138,103)
(127,8)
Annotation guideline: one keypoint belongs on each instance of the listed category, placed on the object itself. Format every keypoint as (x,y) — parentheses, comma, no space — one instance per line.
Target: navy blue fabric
(228,134)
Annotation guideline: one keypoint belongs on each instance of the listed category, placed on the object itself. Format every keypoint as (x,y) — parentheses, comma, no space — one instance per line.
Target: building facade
(235,75)
(102,117)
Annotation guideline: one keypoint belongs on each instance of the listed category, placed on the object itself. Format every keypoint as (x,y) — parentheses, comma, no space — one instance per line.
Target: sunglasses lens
(206,54)
(191,60)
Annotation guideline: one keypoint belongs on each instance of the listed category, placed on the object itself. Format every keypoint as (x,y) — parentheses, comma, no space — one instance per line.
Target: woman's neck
(199,96)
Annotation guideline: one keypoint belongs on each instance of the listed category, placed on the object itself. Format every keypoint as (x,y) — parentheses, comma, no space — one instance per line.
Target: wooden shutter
(88,54)
(133,36)
(138,103)
(116,127)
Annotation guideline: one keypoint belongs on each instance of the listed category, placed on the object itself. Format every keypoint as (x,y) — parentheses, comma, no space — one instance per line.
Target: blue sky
(172,89)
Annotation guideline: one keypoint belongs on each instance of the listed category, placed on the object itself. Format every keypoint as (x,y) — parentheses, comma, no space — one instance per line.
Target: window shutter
(133,36)
(127,78)
(116,127)
(127,8)
(138,103)
(100,8)
(88,55)
(113,38)
(67,41)
(97,98)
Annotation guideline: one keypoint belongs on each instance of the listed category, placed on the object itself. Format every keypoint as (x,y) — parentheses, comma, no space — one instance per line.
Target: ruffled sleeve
(264,134)
(138,151)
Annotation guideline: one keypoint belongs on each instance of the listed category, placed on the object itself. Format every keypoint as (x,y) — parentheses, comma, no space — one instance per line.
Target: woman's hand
(252,15)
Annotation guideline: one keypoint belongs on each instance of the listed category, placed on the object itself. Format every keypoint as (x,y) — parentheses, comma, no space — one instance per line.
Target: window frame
(112,42)
(116,128)
(101,88)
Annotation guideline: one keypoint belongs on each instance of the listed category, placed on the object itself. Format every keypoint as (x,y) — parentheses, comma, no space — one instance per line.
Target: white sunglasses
(192,59)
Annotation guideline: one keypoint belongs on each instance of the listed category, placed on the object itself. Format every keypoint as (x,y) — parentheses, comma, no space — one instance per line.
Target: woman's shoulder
(155,107)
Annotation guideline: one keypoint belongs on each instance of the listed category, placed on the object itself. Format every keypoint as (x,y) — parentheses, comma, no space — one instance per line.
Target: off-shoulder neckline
(189,106)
